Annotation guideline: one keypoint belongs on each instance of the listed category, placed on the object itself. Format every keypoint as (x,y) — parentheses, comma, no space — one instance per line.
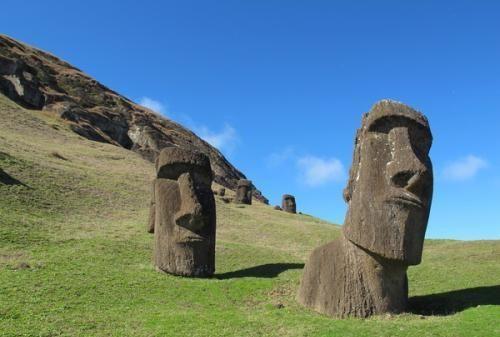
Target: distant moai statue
(389,194)
(288,204)
(184,213)
(222,191)
(243,192)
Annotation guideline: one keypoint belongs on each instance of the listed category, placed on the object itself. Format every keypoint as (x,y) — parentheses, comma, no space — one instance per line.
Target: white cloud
(226,139)
(315,171)
(152,104)
(464,168)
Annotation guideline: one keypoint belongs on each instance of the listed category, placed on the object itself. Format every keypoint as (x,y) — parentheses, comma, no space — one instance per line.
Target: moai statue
(184,207)
(222,191)
(389,194)
(243,192)
(288,203)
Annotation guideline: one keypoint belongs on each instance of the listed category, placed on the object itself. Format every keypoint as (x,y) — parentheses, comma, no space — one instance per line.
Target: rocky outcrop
(38,80)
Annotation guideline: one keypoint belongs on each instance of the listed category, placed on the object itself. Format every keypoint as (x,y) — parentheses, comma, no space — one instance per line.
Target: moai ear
(347,194)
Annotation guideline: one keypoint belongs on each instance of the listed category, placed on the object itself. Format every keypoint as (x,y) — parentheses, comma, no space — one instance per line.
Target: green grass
(75,259)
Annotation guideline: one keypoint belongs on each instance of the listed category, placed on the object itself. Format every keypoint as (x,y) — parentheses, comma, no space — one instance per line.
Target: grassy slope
(79,223)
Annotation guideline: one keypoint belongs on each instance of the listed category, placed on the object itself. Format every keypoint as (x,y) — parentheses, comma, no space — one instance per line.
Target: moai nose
(190,213)
(405,170)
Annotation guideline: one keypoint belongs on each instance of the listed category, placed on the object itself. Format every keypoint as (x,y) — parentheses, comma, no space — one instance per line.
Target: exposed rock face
(288,204)
(389,195)
(185,219)
(243,192)
(38,80)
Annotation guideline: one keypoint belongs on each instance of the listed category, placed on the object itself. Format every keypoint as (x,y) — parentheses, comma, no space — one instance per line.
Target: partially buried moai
(288,203)
(243,192)
(184,213)
(389,194)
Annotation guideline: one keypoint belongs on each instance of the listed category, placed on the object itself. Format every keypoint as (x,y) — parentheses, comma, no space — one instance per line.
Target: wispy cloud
(315,171)
(280,157)
(224,140)
(464,168)
(152,104)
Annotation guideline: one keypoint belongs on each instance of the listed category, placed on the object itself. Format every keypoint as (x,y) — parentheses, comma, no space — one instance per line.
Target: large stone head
(288,203)
(390,185)
(185,213)
(243,192)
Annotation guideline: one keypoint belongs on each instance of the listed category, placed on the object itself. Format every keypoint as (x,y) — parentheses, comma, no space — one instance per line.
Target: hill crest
(38,80)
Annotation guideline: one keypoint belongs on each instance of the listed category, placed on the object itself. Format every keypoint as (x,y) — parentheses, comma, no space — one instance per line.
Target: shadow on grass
(7,179)
(269,270)
(451,302)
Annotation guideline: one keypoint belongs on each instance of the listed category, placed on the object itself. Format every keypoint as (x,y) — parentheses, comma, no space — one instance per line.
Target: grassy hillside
(75,257)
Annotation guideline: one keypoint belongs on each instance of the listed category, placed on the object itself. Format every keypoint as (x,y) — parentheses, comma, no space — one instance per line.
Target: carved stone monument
(389,194)
(243,192)
(288,203)
(222,191)
(184,213)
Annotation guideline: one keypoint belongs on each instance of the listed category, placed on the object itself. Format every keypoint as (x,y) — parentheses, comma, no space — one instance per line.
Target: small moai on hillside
(243,192)
(288,204)
(389,194)
(222,191)
(184,213)
(277,208)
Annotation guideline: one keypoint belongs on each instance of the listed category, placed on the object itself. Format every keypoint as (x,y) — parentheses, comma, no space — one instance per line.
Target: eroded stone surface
(389,194)
(152,211)
(185,218)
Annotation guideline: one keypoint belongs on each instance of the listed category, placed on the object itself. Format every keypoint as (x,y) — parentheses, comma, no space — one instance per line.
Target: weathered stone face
(288,204)
(244,192)
(390,185)
(184,213)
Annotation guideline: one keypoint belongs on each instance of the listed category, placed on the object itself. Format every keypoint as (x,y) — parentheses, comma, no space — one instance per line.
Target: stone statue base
(343,280)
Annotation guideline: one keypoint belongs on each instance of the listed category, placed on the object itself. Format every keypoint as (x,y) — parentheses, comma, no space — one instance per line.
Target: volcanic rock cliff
(38,80)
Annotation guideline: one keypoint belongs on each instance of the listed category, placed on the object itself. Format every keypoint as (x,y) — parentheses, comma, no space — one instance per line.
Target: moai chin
(389,194)
(184,213)
(288,203)
(243,192)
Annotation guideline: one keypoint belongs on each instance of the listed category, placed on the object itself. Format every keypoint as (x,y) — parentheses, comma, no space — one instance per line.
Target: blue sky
(280,86)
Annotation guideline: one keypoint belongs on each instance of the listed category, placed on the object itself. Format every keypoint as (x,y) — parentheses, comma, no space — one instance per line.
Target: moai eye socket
(420,135)
(174,171)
